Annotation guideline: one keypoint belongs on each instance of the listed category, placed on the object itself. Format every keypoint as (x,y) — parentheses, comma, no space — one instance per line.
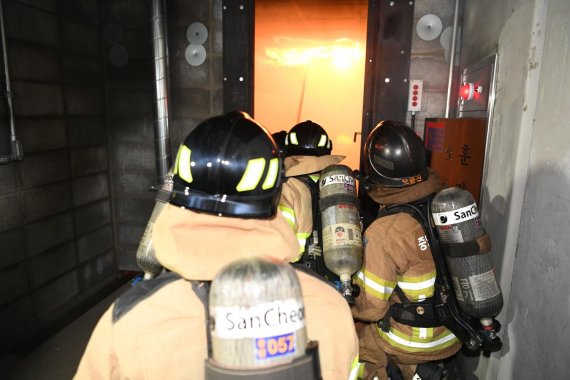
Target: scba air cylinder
(467,251)
(257,315)
(341,229)
(146,255)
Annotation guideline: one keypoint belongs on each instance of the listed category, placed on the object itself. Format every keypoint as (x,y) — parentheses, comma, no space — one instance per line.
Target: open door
(309,65)
(383,30)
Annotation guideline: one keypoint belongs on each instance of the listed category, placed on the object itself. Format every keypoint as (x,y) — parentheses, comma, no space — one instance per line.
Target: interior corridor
(57,358)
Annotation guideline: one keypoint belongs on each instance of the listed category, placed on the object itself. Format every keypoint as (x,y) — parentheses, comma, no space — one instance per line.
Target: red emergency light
(468,90)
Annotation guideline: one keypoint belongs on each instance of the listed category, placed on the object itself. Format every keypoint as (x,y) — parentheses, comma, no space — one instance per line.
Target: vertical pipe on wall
(17,152)
(452,57)
(160,49)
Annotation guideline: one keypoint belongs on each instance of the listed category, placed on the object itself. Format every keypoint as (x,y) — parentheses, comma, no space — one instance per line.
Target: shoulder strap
(202,291)
(313,258)
(317,225)
(317,222)
(420,211)
(144,289)
(314,189)
(421,313)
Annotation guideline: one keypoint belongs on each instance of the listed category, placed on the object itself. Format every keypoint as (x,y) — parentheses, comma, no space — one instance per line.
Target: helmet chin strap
(366,183)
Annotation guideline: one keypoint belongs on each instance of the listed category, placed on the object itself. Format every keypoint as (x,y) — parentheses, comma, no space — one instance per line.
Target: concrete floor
(58,357)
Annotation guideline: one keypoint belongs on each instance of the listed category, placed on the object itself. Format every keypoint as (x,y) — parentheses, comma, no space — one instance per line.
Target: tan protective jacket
(156,330)
(397,253)
(295,203)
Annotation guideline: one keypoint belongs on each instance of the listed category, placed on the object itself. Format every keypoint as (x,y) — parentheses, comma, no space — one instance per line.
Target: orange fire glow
(341,53)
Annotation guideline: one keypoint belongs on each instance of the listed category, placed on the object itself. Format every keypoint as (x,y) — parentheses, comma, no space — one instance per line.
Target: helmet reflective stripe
(293,138)
(252,174)
(271,176)
(328,144)
(182,165)
(322,141)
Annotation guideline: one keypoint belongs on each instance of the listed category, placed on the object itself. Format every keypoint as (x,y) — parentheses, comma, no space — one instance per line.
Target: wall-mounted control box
(415,95)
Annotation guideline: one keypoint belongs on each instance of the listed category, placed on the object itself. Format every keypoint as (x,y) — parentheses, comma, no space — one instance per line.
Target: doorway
(309,64)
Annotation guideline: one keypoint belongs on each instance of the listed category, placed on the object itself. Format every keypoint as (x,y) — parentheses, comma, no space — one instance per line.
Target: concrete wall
(73,211)
(56,236)
(539,306)
(526,211)
(430,62)
(130,98)
(195,94)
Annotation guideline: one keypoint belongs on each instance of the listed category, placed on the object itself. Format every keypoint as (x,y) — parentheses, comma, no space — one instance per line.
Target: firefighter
(279,138)
(398,264)
(307,152)
(226,185)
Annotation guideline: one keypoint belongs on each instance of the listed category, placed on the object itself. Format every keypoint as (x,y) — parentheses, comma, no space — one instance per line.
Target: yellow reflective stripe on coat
(417,288)
(289,215)
(422,332)
(302,239)
(271,176)
(314,177)
(252,174)
(360,370)
(415,344)
(182,165)
(374,285)
(354,369)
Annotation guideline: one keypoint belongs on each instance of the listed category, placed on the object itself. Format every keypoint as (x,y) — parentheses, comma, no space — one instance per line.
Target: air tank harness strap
(338,199)
(313,256)
(202,291)
(469,248)
(415,314)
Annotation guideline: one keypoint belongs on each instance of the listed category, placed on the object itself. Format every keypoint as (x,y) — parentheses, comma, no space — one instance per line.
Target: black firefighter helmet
(228,165)
(279,138)
(394,155)
(307,139)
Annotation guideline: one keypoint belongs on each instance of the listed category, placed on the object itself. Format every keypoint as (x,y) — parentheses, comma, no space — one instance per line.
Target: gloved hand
(430,371)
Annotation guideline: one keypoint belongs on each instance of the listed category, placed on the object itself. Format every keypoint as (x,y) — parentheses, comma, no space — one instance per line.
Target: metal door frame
(388,51)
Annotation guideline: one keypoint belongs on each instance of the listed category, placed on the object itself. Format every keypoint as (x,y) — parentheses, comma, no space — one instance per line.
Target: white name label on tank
(267,319)
(456,216)
(338,178)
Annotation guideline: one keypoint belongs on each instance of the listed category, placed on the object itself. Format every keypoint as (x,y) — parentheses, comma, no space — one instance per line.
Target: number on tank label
(275,346)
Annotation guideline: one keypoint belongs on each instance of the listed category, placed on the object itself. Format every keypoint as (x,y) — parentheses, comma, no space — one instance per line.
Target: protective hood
(299,165)
(197,245)
(396,195)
